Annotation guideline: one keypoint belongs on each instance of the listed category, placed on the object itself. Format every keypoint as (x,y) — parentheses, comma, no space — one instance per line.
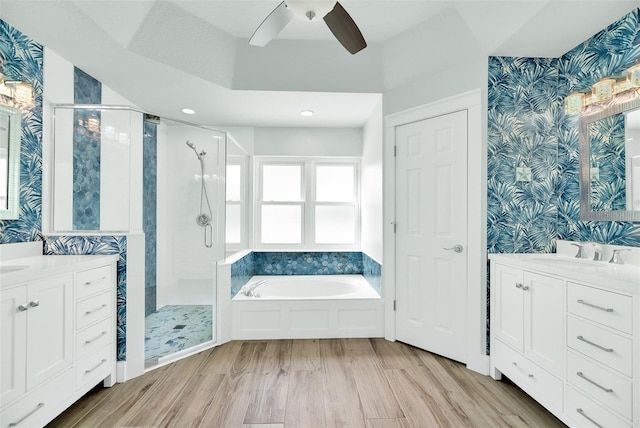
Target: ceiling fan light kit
(340,23)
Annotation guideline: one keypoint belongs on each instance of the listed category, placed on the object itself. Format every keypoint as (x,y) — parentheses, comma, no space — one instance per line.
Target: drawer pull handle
(95,338)
(104,360)
(595,344)
(516,364)
(34,303)
(95,310)
(23,307)
(16,423)
(580,374)
(582,302)
(584,415)
(518,285)
(95,281)
(525,288)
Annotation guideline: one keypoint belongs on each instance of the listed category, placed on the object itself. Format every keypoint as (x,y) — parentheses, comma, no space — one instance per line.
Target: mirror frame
(13,195)
(586,214)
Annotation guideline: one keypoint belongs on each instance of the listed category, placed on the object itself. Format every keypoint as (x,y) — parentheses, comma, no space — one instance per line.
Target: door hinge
(395,226)
(395,150)
(394,305)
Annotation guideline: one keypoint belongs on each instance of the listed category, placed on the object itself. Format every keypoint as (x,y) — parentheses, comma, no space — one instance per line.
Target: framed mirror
(10,131)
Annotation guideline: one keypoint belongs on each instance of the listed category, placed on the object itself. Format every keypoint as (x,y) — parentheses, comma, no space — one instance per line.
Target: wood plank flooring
(369,383)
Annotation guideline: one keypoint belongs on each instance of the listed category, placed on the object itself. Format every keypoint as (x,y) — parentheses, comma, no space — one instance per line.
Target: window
(308,203)
(236,207)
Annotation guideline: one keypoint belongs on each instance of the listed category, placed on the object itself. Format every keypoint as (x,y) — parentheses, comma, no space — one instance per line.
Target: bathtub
(307,306)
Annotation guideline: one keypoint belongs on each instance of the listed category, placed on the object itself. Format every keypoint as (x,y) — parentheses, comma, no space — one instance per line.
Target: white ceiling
(166,54)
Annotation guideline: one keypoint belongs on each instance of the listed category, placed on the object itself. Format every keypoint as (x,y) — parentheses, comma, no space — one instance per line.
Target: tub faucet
(249,290)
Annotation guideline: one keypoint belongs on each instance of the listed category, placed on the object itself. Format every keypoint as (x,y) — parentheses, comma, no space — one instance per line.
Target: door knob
(456,248)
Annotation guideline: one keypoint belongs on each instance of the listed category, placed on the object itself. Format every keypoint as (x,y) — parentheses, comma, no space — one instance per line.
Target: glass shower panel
(92,178)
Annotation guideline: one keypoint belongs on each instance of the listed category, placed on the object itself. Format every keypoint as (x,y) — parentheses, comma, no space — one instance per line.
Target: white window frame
(307,203)
(243,203)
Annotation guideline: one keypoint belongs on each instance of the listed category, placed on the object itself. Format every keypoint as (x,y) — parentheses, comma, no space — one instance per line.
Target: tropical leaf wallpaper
(21,59)
(99,245)
(527,127)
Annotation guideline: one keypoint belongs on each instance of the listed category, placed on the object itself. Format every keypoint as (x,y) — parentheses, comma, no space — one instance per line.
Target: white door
(431,237)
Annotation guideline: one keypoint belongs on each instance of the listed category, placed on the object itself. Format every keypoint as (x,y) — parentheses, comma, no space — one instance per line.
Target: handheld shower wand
(203,219)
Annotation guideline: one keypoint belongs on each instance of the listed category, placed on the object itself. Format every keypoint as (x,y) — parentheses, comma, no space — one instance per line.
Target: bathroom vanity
(567,331)
(58,334)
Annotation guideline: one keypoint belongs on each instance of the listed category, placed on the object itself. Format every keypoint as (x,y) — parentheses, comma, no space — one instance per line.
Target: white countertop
(624,278)
(38,267)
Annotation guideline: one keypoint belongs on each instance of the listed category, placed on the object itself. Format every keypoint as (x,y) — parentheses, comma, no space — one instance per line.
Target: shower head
(193,147)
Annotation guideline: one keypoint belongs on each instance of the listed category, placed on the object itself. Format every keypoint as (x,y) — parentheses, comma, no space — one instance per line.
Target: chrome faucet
(249,290)
(597,252)
(616,258)
(580,254)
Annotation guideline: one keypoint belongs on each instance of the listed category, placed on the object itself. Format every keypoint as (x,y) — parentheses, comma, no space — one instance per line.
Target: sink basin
(12,268)
(563,261)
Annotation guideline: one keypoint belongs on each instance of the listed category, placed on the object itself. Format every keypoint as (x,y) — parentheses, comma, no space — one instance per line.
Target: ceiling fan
(335,16)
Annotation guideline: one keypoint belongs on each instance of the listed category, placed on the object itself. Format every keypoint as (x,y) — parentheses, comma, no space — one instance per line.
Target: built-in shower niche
(94,185)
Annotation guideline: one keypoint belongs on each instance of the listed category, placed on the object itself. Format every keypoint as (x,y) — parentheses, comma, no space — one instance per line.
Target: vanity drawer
(605,307)
(95,367)
(535,381)
(586,413)
(93,281)
(601,384)
(39,404)
(603,346)
(93,338)
(93,309)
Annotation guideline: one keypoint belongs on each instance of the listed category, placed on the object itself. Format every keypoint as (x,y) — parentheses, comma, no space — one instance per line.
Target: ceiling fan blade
(271,26)
(345,29)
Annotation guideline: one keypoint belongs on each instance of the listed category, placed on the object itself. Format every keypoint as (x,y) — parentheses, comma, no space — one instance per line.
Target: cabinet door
(507,323)
(545,321)
(49,328)
(13,334)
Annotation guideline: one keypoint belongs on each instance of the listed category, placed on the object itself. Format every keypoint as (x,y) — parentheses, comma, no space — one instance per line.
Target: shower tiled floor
(173,328)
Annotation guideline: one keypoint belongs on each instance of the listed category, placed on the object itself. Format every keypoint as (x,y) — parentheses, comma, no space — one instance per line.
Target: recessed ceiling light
(307,113)
(188,111)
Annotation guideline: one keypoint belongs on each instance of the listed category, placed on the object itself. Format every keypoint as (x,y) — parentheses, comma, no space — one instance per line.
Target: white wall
(308,142)
(371,187)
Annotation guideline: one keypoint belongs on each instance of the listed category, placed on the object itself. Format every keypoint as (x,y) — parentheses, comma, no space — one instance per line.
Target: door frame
(477,360)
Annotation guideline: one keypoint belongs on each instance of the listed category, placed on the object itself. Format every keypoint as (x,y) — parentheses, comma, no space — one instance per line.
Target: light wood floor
(309,383)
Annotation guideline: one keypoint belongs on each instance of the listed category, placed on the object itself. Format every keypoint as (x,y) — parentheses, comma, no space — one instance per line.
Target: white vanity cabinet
(528,331)
(569,336)
(58,341)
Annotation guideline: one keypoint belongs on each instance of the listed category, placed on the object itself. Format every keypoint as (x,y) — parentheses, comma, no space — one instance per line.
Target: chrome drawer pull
(23,307)
(595,344)
(104,360)
(95,338)
(516,364)
(96,281)
(34,303)
(518,285)
(95,310)
(582,302)
(16,423)
(580,374)
(584,415)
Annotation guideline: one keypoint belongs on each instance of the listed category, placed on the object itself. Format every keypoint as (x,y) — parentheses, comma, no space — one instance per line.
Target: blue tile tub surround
(372,272)
(22,58)
(241,272)
(305,263)
(86,153)
(149,205)
(99,245)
